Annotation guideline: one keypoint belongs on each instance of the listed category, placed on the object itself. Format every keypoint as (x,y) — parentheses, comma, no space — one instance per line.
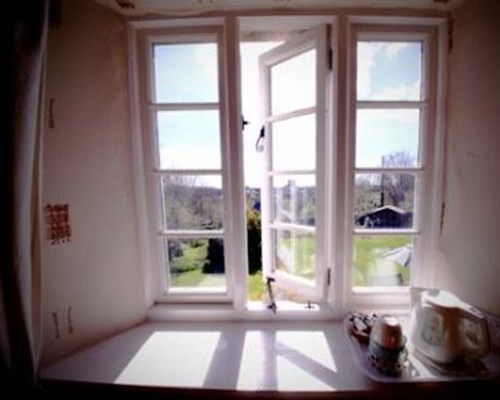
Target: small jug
(443,328)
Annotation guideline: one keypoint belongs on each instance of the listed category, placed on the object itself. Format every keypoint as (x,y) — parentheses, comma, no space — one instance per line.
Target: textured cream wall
(88,164)
(470,242)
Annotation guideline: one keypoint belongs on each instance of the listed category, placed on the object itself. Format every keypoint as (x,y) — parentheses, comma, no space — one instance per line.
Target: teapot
(443,328)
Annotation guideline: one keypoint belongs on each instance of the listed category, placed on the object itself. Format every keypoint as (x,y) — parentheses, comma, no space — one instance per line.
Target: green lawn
(297,255)
(196,278)
(256,286)
(370,266)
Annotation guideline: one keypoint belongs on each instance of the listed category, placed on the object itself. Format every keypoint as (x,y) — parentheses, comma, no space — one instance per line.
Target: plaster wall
(93,286)
(469,259)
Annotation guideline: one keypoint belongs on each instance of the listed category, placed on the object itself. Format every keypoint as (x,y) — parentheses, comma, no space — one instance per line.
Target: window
(348,160)
(391,167)
(186,165)
(294,74)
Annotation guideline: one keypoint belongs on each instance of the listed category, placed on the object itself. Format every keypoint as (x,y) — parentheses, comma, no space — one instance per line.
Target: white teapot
(443,328)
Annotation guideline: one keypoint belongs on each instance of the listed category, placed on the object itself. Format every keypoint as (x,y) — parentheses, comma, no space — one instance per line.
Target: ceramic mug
(387,332)
(386,338)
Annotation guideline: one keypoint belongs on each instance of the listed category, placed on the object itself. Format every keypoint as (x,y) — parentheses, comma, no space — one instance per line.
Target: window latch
(272,303)
(244,123)
(259,144)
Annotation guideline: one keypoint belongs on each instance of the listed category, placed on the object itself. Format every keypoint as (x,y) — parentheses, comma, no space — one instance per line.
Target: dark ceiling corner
(55,13)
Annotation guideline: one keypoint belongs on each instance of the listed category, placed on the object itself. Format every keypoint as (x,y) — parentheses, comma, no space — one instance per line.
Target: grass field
(370,266)
(296,255)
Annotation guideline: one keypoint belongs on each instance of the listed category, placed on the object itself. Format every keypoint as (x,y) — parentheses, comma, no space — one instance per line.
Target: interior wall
(470,242)
(92,283)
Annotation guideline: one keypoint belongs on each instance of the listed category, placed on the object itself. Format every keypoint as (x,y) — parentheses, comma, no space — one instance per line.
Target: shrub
(254,238)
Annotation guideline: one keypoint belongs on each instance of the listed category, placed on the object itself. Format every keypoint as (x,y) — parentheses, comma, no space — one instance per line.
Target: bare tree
(398,186)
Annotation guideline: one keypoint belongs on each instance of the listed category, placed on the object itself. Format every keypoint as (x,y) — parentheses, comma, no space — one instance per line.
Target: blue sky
(187,73)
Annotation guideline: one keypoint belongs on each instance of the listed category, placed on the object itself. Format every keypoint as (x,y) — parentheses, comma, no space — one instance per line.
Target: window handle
(272,305)
(259,144)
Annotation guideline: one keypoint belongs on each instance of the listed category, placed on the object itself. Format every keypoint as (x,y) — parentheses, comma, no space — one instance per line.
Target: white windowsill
(311,356)
(285,356)
(255,311)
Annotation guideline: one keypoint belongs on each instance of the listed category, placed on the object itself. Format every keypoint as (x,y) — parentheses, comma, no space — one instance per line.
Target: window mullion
(159,171)
(393,104)
(192,234)
(409,170)
(184,106)
(292,227)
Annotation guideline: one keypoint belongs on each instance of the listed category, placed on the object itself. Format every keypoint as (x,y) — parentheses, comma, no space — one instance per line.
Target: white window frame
(337,172)
(143,36)
(317,39)
(426,171)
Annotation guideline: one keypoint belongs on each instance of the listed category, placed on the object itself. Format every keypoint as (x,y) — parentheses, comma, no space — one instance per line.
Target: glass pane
(293,83)
(196,263)
(250,101)
(387,138)
(185,73)
(192,201)
(389,70)
(295,253)
(294,199)
(382,260)
(294,143)
(189,139)
(384,200)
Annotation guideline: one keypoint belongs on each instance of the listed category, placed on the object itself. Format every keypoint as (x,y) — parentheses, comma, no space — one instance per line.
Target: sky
(190,140)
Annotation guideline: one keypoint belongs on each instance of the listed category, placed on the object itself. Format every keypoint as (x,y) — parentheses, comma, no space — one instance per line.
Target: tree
(254,238)
(215,257)
(190,204)
(387,188)
(399,187)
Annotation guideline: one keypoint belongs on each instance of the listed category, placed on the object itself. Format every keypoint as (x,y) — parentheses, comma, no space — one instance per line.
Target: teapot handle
(477,339)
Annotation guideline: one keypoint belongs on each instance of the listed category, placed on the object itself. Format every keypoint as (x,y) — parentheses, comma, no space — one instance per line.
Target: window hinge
(330,59)
(328,276)
(443,212)
(450,35)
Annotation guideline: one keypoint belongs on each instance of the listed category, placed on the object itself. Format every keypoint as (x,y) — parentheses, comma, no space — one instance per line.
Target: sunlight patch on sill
(144,368)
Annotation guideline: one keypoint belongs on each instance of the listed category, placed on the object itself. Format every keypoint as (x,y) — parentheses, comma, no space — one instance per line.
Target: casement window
(183,104)
(346,144)
(294,77)
(390,168)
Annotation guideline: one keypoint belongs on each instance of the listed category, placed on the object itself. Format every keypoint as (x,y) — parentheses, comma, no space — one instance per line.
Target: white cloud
(205,56)
(367,53)
(394,48)
(365,63)
(400,92)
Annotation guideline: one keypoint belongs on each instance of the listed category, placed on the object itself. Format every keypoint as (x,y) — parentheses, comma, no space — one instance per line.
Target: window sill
(270,357)
(253,356)
(255,311)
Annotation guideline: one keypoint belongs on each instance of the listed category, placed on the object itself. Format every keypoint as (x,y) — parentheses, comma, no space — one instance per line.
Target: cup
(387,341)
(387,332)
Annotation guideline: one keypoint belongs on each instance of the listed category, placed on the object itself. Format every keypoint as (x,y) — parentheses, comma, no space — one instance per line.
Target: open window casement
(293,82)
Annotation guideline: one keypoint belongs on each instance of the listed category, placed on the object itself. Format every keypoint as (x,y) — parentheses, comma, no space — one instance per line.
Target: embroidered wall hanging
(57,222)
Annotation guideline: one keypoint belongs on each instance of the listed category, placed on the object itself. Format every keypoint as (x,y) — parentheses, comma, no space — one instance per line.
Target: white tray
(415,370)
